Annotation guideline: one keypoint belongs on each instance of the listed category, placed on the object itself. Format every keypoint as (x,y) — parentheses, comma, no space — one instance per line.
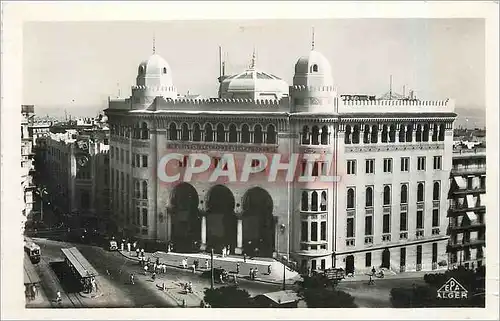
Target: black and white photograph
(251,163)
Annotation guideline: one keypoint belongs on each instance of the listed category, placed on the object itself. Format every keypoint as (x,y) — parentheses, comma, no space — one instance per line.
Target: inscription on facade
(392,148)
(227,147)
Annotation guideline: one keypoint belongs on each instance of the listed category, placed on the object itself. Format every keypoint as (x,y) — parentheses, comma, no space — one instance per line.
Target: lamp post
(284,271)
(212,269)
(42,191)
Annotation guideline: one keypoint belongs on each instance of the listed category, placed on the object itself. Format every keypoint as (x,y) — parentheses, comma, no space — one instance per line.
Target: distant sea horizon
(467,117)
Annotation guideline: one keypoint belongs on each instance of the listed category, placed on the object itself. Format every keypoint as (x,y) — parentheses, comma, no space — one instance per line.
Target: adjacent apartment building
(27,167)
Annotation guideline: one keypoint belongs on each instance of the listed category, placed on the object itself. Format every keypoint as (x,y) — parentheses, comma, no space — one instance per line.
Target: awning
(462,184)
(470,201)
(472,216)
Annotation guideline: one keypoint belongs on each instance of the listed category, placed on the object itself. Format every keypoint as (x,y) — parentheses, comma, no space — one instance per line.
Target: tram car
(32,249)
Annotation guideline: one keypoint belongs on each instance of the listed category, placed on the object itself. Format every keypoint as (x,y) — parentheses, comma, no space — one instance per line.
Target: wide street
(118,292)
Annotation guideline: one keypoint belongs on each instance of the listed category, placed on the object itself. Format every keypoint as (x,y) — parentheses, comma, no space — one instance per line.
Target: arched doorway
(386,259)
(186,225)
(349,264)
(258,223)
(221,221)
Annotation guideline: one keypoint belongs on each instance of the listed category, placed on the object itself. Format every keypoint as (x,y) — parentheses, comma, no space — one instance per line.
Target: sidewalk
(228,263)
(391,276)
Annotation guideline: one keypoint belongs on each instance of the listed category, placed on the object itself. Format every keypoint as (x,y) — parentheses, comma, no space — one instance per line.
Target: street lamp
(42,191)
(284,271)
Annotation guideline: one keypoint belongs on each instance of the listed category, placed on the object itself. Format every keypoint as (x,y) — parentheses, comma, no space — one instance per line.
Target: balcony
(456,209)
(466,243)
(468,170)
(453,227)
(469,190)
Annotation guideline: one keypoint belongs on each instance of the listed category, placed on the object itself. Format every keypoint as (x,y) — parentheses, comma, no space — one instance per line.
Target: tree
(228,297)
(319,292)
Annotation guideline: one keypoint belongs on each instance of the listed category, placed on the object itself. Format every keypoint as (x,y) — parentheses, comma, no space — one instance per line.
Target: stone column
(203,245)
(239,234)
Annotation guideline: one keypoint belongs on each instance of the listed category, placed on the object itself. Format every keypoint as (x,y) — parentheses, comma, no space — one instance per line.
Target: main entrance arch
(258,222)
(186,225)
(221,221)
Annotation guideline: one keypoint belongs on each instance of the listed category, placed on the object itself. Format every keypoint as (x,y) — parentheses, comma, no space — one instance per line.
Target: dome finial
(154,44)
(312,39)
(254,58)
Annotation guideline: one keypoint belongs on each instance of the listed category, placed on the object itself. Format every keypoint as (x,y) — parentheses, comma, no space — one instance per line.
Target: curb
(133,258)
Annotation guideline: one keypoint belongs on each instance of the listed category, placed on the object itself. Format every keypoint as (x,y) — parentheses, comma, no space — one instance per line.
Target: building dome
(313,70)
(154,72)
(253,84)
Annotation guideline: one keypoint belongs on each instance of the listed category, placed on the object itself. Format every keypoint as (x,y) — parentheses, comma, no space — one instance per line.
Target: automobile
(113,245)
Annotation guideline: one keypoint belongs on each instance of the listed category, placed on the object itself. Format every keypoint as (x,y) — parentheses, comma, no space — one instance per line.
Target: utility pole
(212,269)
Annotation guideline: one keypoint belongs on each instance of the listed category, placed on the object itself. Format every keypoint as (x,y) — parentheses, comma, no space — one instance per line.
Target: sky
(75,66)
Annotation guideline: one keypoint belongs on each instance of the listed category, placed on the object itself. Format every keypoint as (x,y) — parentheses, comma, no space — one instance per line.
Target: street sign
(335,274)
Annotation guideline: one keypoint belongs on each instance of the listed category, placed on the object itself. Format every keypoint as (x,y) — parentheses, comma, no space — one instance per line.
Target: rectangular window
(350,227)
(420,219)
(387,165)
(405,164)
(370,166)
(323,264)
(314,231)
(144,160)
(144,216)
(323,231)
(137,215)
(435,217)
(112,152)
(434,252)
(351,167)
(421,163)
(368,259)
(369,225)
(304,237)
(437,162)
(483,182)
(403,221)
(402,260)
(315,171)
(122,152)
(127,160)
(386,223)
(419,254)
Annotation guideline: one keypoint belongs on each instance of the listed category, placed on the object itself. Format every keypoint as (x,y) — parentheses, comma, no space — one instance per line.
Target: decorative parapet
(381,103)
(226,101)
(300,88)
(155,88)
(365,148)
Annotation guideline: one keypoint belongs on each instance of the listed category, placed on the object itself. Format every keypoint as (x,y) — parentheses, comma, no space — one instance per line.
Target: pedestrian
(184,263)
(142,252)
(153,276)
(237,267)
(255,271)
(190,287)
(35,291)
(135,245)
(269,269)
(251,273)
(194,268)
(157,261)
(373,270)
(164,268)
(163,286)
(128,247)
(137,251)
(58,294)
(132,278)
(145,269)
(206,264)
(244,257)
(122,247)
(221,278)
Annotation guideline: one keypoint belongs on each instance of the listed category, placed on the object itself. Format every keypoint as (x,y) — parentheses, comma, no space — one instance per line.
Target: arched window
(369,197)
(435,133)
(387,195)
(314,201)
(184,132)
(324,135)
(209,133)
(221,133)
(441,132)
(347,136)
(420,192)
(425,133)
(315,68)
(323,201)
(374,139)
(392,134)
(385,134)
(172,131)
(350,198)
(245,134)
(305,201)
(355,135)
(418,136)
(404,194)
(164,70)
(305,136)
(144,190)
(436,191)
(366,135)
(196,132)
(257,134)
(402,133)
(271,134)
(409,133)
(233,134)
(315,135)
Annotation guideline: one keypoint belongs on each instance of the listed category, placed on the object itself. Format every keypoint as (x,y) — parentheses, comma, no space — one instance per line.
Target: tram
(32,249)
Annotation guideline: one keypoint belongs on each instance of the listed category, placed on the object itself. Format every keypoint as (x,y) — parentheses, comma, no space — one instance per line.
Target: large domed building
(372,214)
